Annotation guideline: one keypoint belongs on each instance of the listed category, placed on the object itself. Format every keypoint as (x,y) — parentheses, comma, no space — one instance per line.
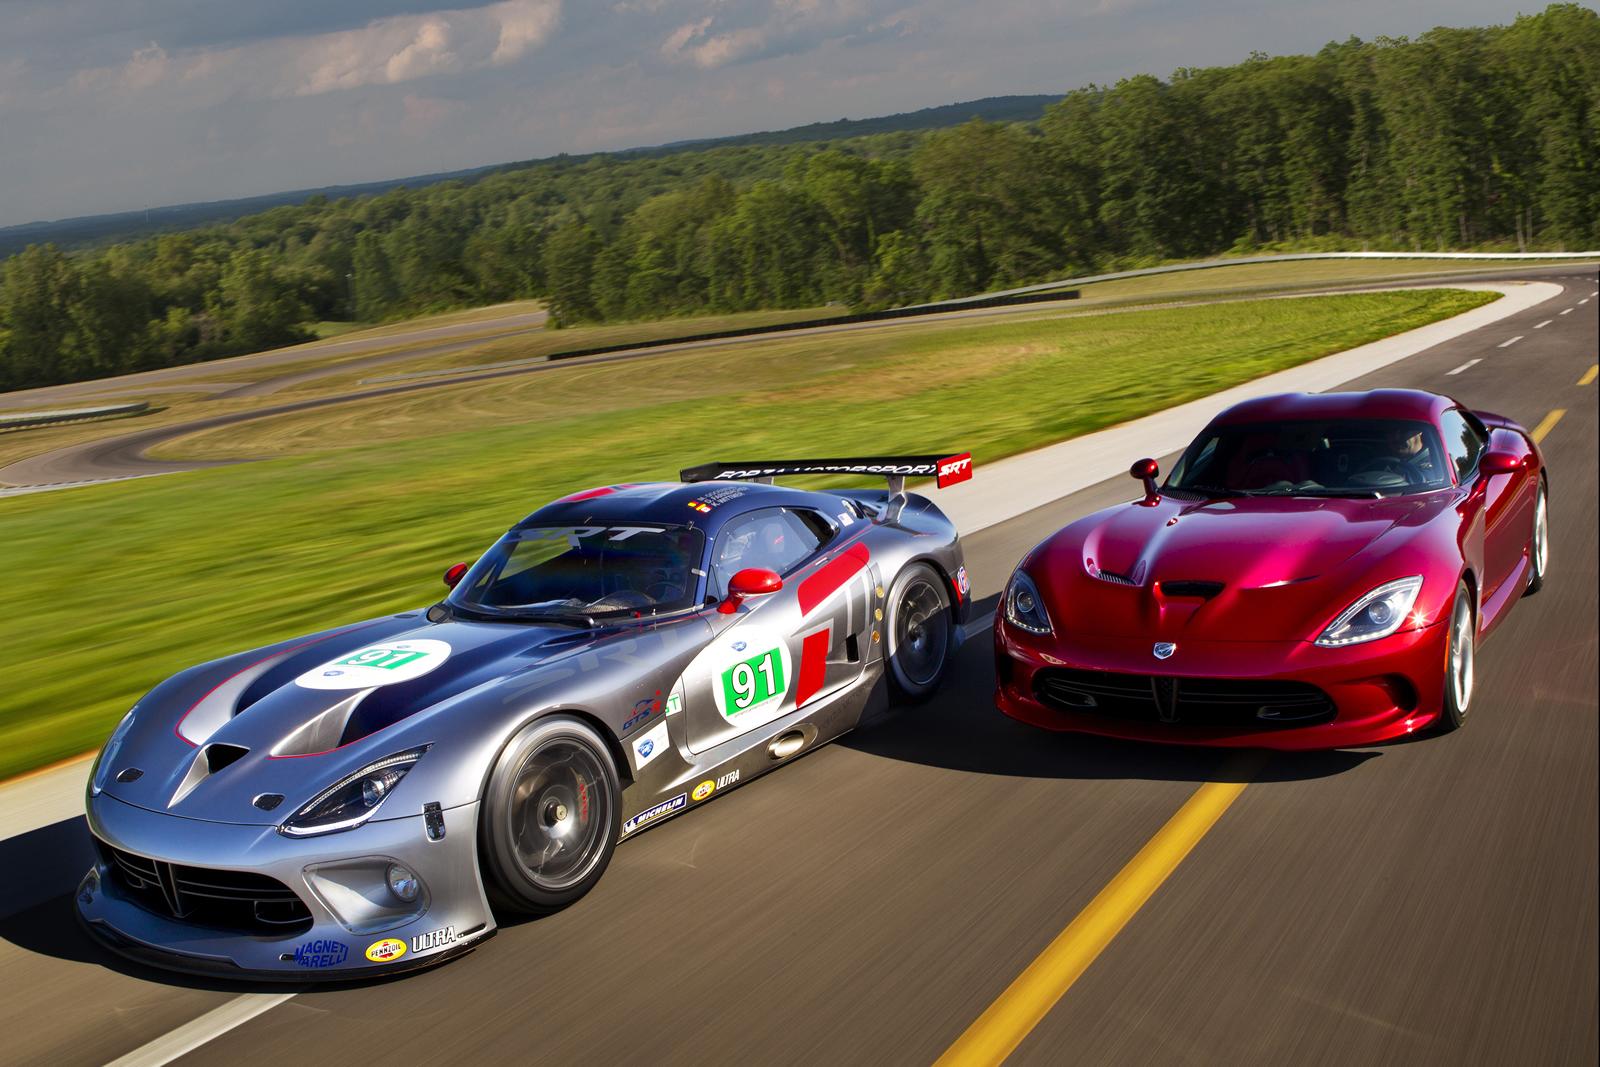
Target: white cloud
(733,35)
(386,51)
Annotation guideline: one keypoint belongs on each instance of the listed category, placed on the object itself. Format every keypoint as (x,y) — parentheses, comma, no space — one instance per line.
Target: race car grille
(241,901)
(1231,703)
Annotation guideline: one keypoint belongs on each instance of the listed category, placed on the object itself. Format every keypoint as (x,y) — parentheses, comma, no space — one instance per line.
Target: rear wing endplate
(946,470)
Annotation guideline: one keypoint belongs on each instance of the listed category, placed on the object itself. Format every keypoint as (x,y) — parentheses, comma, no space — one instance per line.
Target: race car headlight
(102,765)
(1379,613)
(1024,607)
(353,799)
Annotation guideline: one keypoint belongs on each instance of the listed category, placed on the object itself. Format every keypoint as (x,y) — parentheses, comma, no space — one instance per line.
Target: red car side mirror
(752,581)
(454,575)
(1491,463)
(1145,470)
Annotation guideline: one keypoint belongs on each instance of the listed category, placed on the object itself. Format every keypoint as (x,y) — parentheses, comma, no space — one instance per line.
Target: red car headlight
(1024,607)
(1378,613)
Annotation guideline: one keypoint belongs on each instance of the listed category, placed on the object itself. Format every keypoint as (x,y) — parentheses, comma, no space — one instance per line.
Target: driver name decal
(384,664)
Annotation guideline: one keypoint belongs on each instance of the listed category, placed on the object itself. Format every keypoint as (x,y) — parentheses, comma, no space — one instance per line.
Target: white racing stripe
(1508,344)
(191,1035)
(1464,366)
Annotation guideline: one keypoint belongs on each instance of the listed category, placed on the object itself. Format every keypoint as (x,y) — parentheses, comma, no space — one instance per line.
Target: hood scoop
(322,732)
(208,761)
(1201,590)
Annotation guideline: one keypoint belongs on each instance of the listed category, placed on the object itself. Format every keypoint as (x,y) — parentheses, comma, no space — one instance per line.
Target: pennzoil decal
(386,951)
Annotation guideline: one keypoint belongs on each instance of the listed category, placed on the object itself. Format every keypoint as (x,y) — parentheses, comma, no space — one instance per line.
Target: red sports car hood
(1241,569)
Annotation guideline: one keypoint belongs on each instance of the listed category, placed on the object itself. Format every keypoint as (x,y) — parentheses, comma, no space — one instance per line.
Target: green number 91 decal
(753,683)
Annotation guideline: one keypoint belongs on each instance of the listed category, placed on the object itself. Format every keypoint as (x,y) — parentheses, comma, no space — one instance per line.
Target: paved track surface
(125,455)
(1432,901)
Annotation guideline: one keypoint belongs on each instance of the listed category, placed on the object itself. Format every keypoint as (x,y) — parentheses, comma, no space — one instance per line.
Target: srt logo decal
(321,953)
(955,469)
(1164,650)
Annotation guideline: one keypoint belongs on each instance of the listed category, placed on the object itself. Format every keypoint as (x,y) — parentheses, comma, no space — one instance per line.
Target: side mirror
(1492,463)
(752,581)
(1145,470)
(453,576)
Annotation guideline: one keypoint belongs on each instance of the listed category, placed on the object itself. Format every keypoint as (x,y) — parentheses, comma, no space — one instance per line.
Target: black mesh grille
(226,900)
(1235,703)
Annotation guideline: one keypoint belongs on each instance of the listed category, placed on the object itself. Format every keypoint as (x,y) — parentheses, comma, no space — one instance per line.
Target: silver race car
(369,798)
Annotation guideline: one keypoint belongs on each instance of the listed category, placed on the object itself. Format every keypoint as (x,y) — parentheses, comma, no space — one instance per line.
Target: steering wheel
(624,599)
(1392,465)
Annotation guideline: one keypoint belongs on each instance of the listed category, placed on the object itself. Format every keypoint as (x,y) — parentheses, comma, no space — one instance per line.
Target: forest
(1456,139)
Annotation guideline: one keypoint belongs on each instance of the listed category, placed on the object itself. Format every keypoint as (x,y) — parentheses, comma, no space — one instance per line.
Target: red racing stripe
(813,665)
(823,584)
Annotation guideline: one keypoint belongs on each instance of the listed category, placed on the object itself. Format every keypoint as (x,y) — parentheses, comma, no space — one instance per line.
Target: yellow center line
(1027,1000)
(1590,375)
(1548,423)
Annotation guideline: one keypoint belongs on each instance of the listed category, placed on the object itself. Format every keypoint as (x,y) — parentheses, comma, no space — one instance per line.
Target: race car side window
(1463,441)
(775,539)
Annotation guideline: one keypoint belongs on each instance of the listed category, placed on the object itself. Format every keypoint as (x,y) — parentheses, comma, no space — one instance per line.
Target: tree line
(1478,137)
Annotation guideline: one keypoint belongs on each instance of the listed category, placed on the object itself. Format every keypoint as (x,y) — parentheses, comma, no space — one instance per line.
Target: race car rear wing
(945,470)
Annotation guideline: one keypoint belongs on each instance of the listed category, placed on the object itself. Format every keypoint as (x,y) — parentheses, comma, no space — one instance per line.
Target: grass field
(117,586)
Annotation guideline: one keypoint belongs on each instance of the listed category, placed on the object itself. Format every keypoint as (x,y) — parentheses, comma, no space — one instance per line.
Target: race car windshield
(1343,457)
(584,573)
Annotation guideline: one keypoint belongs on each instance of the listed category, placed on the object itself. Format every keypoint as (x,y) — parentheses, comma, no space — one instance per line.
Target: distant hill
(120,226)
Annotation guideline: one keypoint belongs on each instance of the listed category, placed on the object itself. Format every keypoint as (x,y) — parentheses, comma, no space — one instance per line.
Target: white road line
(1543,324)
(193,1034)
(1464,366)
(1566,311)
(1508,344)
(1582,302)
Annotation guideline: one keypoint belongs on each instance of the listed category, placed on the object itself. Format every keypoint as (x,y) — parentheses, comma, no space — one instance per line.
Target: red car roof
(1376,404)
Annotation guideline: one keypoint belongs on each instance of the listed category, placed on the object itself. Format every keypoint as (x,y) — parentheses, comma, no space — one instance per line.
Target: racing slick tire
(1539,546)
(1460,660)
(550,818)
(918,634)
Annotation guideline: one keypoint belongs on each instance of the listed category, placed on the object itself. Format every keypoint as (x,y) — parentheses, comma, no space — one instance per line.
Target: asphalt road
(1432,901)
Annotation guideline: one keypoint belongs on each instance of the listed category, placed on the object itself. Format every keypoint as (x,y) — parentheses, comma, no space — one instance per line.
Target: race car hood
(1238,569)
(292,719)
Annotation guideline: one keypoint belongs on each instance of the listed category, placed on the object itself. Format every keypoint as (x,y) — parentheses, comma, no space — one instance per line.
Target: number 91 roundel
(752,675)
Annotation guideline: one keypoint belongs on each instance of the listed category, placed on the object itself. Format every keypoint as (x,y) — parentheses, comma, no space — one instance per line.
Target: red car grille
(226,900)
(1232,703)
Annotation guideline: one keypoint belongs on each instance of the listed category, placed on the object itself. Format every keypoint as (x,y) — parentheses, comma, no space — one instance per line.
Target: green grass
(114,587)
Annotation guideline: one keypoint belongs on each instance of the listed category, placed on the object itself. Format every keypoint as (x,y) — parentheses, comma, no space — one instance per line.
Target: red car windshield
(584,572)
(1342,457)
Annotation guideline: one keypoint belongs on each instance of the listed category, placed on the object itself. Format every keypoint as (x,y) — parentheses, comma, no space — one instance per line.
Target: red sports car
(1317,571)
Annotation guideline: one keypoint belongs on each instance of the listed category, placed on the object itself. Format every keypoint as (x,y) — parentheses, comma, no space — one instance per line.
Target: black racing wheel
(919,633)
(551,817)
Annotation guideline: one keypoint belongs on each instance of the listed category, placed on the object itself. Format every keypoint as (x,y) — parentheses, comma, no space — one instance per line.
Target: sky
(114,105)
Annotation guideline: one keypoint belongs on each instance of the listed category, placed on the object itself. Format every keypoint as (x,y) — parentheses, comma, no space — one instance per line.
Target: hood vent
(1202,590)
(208,761)
(220,756)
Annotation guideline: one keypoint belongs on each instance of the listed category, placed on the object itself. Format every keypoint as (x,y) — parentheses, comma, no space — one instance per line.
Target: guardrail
(1240,261)
(22,420)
